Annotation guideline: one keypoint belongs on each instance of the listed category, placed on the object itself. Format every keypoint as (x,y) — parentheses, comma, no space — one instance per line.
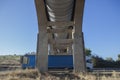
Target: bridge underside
(60,31)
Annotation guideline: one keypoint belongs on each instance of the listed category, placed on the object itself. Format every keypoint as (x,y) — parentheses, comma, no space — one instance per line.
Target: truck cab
(28,61)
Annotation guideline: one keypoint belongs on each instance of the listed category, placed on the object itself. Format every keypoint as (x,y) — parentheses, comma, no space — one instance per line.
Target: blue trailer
(60,61)
(54,61)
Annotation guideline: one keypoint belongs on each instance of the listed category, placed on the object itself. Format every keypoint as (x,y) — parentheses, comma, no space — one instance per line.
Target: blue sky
(19,27)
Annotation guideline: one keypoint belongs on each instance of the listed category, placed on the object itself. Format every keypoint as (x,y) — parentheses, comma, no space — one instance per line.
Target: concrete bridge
(60,31)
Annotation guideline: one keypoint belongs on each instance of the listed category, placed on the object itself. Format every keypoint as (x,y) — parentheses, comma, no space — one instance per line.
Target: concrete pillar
(70,51)
(37,49)
(42,50)
(78,45)
(79,55)
(42,55)
(51,52)
(50,37)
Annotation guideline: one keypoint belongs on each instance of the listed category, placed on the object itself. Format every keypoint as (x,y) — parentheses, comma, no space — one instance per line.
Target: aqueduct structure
(60,31)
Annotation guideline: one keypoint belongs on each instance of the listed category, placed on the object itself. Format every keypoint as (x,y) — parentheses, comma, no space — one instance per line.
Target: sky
(19,27)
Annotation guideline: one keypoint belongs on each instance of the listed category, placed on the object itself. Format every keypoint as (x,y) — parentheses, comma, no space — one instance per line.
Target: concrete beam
(78,45)
(61,41)
(59,30)
(60,23)
(62,46)
(63,54)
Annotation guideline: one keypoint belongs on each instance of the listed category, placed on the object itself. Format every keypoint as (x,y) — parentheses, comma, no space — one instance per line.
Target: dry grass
(9,62)
(6,59)
(19,74)
(35,75)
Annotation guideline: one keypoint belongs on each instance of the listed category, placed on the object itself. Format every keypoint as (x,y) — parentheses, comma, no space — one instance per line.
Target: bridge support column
(78,45)
(42,48)
(42,54)
(78,52)
(50,38)
(77,40)
(70,51)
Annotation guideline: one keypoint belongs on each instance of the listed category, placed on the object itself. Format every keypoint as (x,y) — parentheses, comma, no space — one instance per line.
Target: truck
(54,61)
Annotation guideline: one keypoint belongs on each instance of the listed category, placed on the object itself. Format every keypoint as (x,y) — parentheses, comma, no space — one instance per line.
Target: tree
(109,59)
(118,57)
(98,62)
(88,52)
